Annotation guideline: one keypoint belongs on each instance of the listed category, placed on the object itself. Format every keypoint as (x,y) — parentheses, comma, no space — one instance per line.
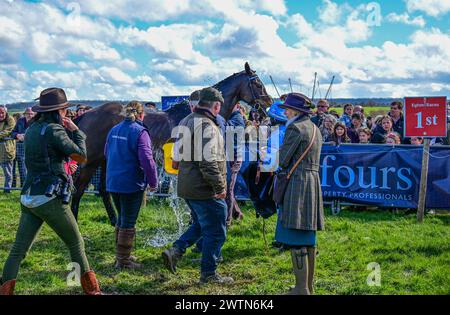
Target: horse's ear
(247,69)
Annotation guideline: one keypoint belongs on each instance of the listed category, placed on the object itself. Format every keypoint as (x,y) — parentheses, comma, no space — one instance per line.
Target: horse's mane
(228,78)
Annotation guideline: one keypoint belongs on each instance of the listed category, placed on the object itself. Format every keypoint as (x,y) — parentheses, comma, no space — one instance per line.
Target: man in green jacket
(7,146)
(202,183)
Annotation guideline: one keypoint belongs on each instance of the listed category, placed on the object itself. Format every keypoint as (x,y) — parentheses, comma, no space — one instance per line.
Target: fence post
(423,180)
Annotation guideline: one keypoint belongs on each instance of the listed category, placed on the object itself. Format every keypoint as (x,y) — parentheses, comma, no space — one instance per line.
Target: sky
(144,49)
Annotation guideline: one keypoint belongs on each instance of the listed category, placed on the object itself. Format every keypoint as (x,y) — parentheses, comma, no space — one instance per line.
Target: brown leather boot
(312,253)
(124,246)
(300,266)
(7,288)
(89,284)
(133,258)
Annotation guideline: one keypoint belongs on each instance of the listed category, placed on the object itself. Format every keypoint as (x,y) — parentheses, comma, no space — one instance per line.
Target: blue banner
(168,101)
(379,175)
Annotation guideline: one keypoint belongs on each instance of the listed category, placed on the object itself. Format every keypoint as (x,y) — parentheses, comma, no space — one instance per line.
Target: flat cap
(210,94)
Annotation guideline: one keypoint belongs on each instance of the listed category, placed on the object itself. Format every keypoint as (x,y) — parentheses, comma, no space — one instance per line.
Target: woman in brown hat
(301,211)
(46,192)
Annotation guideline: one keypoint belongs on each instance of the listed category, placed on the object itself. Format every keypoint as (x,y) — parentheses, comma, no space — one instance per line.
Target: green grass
(414,258)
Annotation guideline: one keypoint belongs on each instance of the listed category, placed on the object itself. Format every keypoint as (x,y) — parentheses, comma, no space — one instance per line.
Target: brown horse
(96,124)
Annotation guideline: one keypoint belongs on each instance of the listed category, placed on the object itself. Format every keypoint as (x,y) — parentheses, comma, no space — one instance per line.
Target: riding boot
(300,266)
(7,288)
(133,258)
(312,252)
(90,284)
(124,246)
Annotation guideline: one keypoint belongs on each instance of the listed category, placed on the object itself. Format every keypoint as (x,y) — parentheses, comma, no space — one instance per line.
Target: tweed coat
(7,147)
(303,203)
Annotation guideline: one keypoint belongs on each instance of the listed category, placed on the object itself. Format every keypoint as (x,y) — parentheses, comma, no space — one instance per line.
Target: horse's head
(254,92)
(243,86)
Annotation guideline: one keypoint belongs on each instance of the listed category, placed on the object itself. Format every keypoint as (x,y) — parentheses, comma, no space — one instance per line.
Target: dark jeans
(128,207)
(209,223)
(7,171)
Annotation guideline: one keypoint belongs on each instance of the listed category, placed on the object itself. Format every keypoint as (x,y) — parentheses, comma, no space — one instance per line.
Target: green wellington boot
(300,266)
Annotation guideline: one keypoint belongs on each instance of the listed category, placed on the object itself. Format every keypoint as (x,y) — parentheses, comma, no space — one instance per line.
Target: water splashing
(180,210)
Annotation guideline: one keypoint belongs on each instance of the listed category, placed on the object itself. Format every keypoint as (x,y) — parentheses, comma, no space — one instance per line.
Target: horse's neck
(230,89)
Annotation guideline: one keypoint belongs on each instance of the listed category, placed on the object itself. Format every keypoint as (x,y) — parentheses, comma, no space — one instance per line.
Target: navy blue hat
(298,102)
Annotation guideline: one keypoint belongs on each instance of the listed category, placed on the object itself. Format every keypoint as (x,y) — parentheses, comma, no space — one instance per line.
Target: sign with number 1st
(425,117)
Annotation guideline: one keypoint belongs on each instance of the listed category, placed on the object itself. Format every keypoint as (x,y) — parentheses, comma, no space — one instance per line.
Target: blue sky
(140,49)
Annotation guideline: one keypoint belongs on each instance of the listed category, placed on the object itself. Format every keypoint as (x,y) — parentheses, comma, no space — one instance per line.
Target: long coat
(303,205)
(7,147)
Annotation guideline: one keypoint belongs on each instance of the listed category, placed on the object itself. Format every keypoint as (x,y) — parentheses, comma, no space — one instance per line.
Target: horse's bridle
(255,97)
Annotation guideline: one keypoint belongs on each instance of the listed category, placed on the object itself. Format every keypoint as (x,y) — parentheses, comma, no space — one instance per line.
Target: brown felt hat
(50,100)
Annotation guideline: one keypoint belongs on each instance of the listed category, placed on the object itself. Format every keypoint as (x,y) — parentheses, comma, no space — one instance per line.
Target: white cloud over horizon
(107,53)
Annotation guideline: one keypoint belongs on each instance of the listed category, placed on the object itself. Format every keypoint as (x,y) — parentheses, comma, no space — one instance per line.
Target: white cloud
(406,19)
(431,7)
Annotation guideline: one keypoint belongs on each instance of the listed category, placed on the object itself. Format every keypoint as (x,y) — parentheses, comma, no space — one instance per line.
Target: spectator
(369,122)
(130,169)
(300,214)
(376,122)
(203,185)
(393,138)
(19,134)
(360,109)
(81,110)
(151,106)
(380,131)
(352,131)
(339,134)
(416,140)
(346,117)
(17,116)
(334,113)
(396,114)
(71,114)
(364,134)
(322,109)
(7,147)
(327,127)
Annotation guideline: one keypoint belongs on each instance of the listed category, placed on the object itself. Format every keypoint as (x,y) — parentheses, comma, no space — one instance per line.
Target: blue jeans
(209,223)
(128,207)
(7,171)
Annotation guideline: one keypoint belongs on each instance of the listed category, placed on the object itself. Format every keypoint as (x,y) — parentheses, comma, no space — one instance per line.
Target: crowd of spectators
(354,127)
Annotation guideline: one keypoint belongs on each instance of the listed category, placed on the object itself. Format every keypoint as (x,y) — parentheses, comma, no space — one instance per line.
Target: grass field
(413,258)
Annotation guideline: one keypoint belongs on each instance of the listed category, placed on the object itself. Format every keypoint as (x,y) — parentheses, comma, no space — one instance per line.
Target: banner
(379,175)
(168,101)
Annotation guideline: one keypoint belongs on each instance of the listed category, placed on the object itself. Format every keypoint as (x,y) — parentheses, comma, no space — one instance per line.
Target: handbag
(281,180)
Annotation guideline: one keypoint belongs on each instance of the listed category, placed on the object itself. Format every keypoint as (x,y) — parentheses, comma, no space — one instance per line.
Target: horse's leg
(106,196)
(81,184)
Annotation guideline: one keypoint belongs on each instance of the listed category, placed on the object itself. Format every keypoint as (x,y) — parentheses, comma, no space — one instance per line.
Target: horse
(96,124)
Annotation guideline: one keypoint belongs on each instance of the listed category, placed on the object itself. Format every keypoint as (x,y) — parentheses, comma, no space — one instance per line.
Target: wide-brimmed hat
(51,99)
(298,102)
